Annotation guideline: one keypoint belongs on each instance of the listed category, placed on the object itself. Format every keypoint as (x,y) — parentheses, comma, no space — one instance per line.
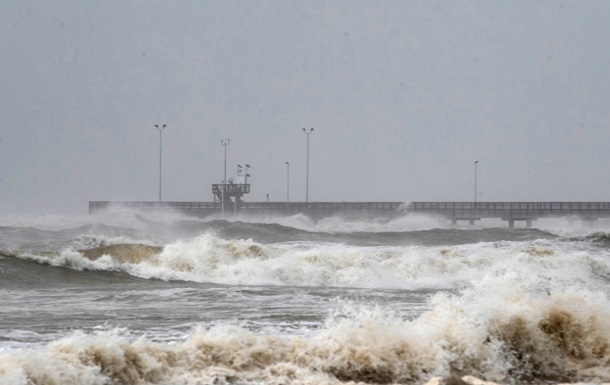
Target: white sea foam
(498,329)
(534,310)
(209,258)
(336,224)
(573,227)
(341,224)
(121,216)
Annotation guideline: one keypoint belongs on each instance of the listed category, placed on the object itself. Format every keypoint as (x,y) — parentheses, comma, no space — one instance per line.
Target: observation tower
(232,190)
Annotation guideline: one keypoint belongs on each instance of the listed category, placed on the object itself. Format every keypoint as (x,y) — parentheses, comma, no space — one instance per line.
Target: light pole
(475,181)
(287,186)
(307,132)
(224,143)
(237,181)
(160,153)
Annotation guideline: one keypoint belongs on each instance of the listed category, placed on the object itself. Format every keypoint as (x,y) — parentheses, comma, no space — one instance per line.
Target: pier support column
(453,221)
(511,223)
(471,221)
(528,223)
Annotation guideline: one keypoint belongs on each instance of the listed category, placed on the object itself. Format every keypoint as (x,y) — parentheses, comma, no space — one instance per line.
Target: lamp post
(160,154)
(237,181)
(475,181)
(224,143)
(287,186)
(307,132)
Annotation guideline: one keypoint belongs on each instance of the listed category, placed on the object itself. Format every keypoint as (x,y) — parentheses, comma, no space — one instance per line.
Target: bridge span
(510,212)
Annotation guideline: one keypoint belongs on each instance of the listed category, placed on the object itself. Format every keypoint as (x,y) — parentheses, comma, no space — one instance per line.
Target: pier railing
(513,209)
(454,211)
(315,209)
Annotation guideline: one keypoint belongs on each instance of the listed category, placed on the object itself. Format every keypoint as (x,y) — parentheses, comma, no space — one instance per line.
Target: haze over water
(413,100)
(130,298)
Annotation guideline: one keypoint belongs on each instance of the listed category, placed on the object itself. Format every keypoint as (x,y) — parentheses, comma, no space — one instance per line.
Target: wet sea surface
(146,300)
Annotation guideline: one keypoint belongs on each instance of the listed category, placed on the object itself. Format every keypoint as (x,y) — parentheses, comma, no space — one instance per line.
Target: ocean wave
(372,232)
(497,330)
(212,259)
(276,233)
(598,237)
(134,220)
(124,253)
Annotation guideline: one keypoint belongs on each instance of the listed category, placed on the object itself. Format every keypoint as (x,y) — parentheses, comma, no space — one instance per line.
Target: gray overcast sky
(404,97)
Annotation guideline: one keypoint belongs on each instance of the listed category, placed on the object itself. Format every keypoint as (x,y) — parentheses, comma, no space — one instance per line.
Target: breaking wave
(496,330)
(210,258)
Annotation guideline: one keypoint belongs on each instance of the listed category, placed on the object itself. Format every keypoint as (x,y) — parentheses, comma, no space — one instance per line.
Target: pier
(513,211)
(315,210)
(455,212)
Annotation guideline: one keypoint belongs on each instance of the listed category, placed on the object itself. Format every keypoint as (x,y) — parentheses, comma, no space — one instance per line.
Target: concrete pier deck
(454,211)
(513,211)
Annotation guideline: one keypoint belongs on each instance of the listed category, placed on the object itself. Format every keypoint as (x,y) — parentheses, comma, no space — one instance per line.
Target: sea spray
(191,302)
(487,331)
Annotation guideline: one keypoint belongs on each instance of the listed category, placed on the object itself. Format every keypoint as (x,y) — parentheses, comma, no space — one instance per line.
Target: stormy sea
(122,297)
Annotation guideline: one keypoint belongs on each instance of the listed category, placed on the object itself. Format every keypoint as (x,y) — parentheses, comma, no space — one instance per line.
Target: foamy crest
(573,227)
(74,260)
(206,258)
(409,222)
(209,258)
(496,330)
(502,327)
(341,224)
